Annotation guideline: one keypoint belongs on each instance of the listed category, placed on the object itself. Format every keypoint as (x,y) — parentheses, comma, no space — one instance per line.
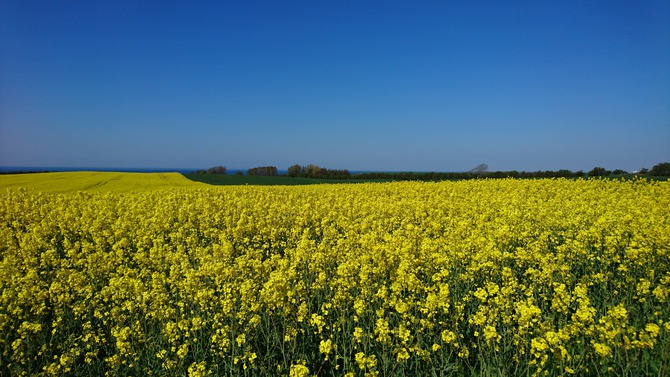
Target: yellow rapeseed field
(483,277)
(63,182)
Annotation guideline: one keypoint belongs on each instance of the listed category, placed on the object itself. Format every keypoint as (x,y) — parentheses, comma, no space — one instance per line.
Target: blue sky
(361,85)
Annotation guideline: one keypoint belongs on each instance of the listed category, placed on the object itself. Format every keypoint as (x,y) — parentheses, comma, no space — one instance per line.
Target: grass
(94,181)
(219,179)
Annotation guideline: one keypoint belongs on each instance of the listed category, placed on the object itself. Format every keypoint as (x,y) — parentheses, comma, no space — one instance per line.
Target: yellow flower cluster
(510,277)
(95,181)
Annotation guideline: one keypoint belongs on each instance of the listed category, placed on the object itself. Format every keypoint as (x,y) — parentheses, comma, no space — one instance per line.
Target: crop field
(232,179)
(482,277)
(94,181)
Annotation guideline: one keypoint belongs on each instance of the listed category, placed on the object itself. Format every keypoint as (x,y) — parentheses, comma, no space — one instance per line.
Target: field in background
(92,181)
(233,179)
(95,181)
(481,277)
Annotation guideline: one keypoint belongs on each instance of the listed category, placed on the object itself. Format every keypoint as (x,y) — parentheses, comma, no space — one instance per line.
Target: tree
(480,169)
(217,170)
(662,169)
(295,170)
(263,170)
(598,172)
(313,171)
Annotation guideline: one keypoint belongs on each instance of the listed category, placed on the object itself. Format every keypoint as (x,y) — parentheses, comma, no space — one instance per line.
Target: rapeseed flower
(554,276)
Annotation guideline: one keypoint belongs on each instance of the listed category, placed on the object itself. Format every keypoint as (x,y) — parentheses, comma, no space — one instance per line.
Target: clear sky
(358,85)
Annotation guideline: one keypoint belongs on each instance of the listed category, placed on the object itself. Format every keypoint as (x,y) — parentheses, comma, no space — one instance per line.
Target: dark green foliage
(294,170)
(234,179)
(213,170)
(598,172)
(314,171)
(265,171)
(297,175)
(436,176)
(662,169)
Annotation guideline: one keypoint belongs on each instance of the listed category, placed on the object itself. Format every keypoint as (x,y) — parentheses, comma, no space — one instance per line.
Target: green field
(220,179)
(95,181)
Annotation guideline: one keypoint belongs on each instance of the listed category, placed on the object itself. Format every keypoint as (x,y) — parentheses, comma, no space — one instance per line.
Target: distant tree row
(662,169)
(439,176)
(659,170)
(214,170)
(267,171)
(314,171)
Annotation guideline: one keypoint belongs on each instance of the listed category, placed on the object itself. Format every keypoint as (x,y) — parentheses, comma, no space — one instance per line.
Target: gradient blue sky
(361,85)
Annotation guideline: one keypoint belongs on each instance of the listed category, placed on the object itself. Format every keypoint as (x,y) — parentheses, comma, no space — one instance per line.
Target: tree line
(314,171)
(481,171)
(213,170)
(267,171)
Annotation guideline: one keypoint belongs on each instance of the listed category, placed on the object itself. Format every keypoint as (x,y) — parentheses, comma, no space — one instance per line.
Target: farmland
(484,277)
(63,182)
(232,179)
